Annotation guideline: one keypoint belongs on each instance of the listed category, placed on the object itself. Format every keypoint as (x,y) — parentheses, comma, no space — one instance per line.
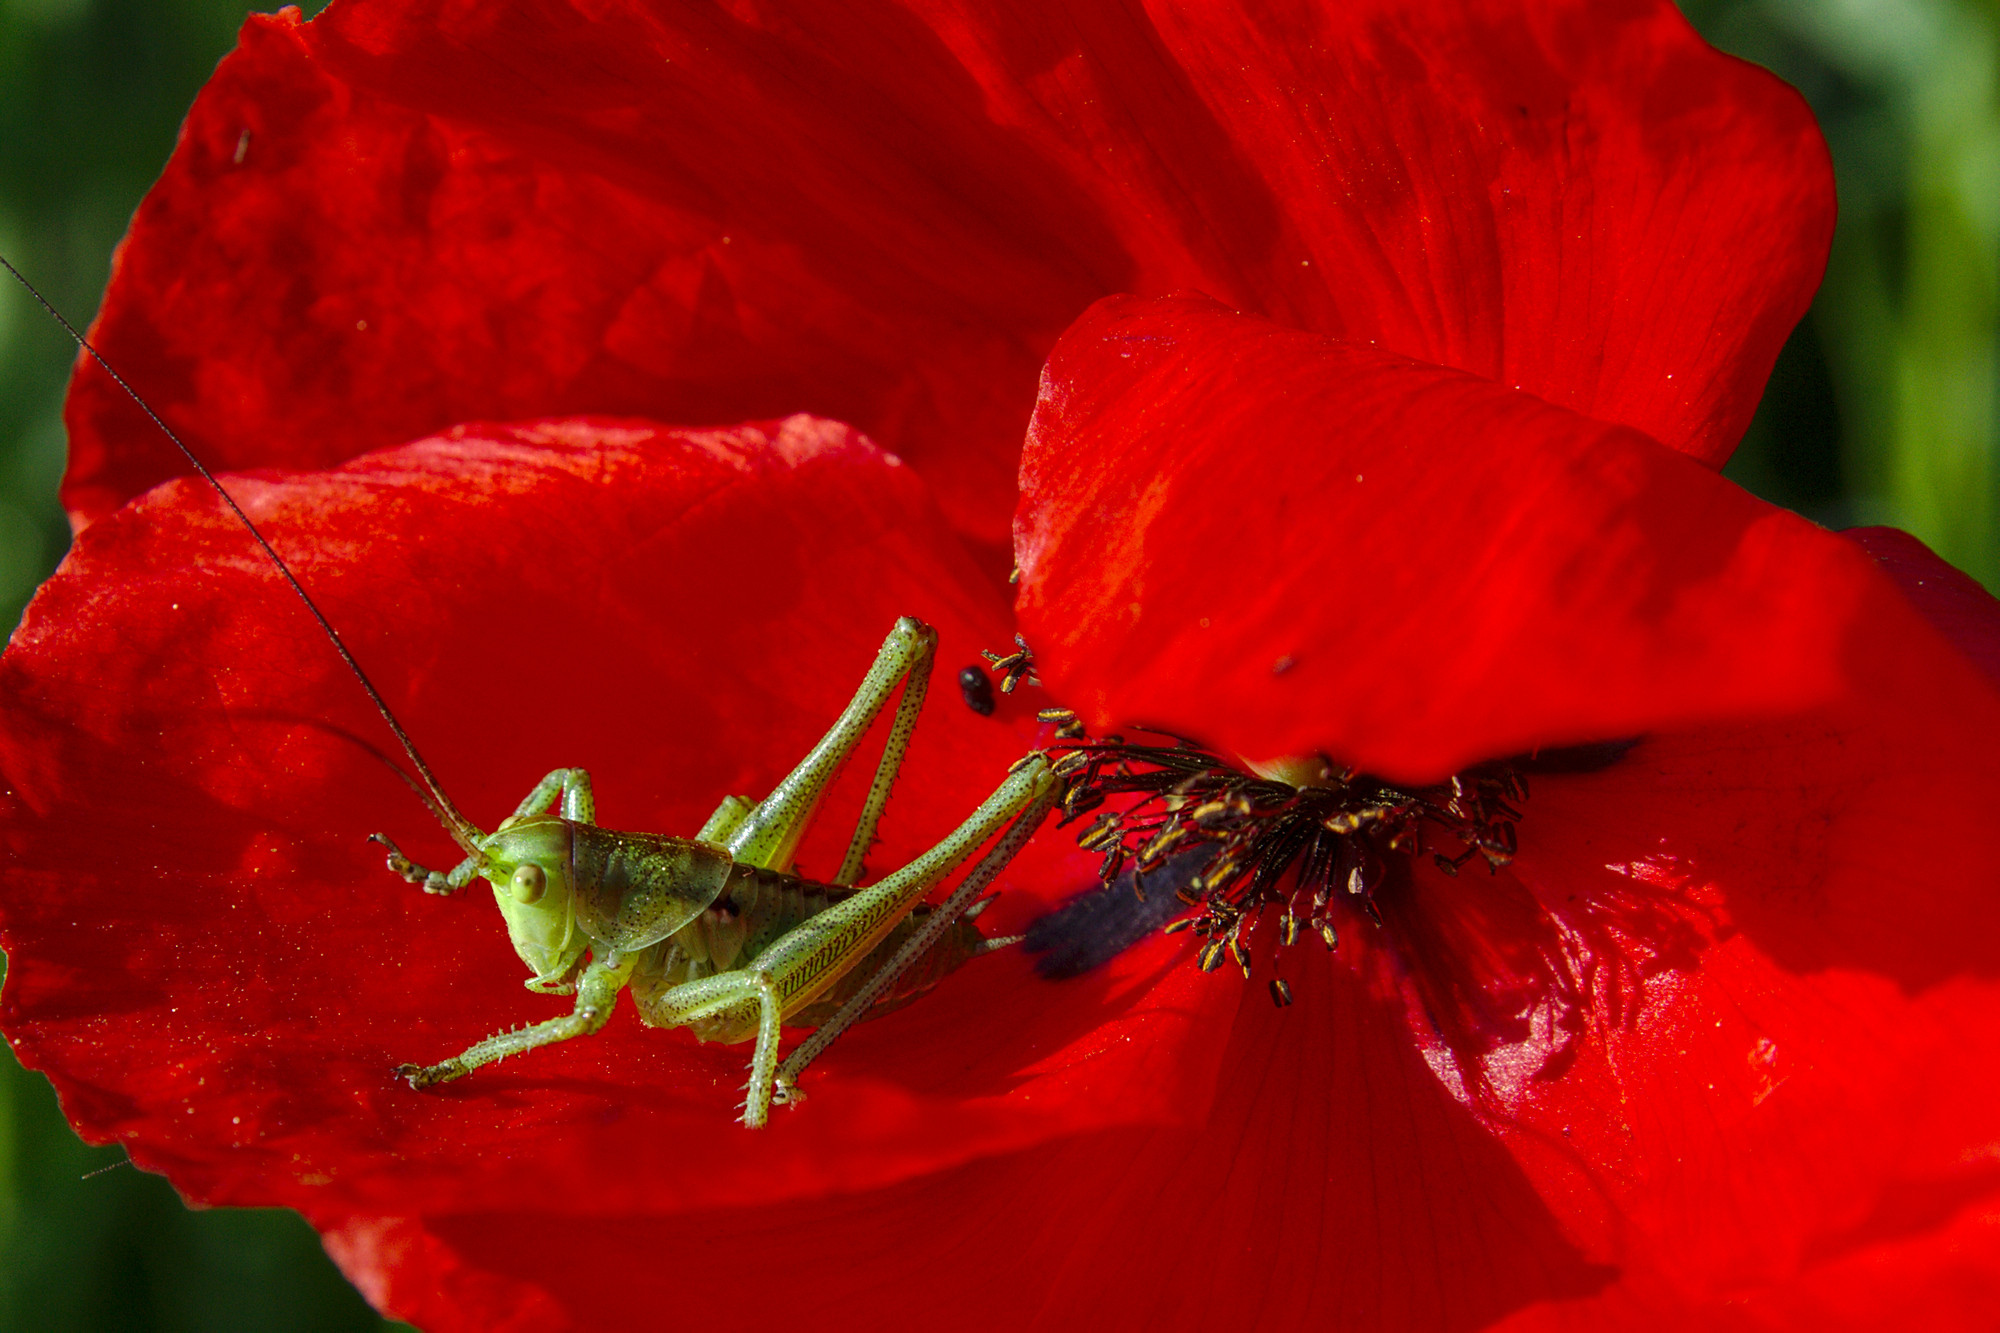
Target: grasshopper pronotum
(713,932)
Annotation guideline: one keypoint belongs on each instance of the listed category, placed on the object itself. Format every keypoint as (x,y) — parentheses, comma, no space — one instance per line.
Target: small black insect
(977,689)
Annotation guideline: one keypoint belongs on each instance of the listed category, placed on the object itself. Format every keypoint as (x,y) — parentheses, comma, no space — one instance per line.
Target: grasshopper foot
(428,1076)
(787,1094)
(412,873)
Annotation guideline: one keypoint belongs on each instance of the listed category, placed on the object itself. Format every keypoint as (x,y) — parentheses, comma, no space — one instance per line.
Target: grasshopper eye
(528,883)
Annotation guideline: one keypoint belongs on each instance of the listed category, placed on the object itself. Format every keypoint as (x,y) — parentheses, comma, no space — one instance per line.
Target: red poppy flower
(1714,1047)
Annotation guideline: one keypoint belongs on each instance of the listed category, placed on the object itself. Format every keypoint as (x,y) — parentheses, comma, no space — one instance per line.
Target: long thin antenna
(463,830)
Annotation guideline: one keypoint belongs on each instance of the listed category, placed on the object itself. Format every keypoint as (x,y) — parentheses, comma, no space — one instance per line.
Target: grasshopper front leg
(569,785)
(432,881)
(596,993)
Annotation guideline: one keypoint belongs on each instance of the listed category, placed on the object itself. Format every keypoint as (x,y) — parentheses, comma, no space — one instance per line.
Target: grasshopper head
(529,866)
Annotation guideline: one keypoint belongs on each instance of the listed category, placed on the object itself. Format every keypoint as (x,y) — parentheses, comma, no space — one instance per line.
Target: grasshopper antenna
(462,830)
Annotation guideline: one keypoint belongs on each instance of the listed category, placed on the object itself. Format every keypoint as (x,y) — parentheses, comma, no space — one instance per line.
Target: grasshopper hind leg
(961,904)
(768,833)
(728,817)
(805,961)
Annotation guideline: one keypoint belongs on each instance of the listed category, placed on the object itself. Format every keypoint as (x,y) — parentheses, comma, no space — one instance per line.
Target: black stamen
(1241,844)
(1014,667)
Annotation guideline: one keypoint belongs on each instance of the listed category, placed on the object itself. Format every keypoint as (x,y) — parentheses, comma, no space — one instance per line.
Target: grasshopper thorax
(569,889)
(633,890)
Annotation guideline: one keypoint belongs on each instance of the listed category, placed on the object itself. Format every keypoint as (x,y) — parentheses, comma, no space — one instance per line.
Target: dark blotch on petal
(1091,929)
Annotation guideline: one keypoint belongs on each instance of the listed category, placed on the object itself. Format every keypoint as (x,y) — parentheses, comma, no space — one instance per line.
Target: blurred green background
(1881,411)
(91,92)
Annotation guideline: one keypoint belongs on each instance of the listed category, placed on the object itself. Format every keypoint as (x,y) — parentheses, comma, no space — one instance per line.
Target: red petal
(1734,1009)
(1779,1097)
(338,260)
(1335,1184)
(1951,600)
(214,968)
(1785,1079)
(1357,1187)
(1284,544)
(888,216)
(1578,198)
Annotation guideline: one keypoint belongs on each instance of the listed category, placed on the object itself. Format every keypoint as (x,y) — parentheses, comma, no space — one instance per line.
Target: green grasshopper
(714,932)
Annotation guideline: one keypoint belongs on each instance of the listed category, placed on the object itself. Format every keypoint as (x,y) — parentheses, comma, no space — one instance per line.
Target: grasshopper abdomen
(758,906)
